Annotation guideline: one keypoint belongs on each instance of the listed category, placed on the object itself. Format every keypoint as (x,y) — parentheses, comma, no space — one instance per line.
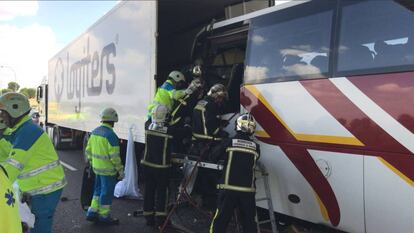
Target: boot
(108,220)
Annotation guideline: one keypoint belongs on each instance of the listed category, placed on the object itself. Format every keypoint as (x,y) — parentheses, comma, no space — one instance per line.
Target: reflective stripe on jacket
(33,160)
(240,162)
(166,94)
(206,119)
(157,148)
(103,151)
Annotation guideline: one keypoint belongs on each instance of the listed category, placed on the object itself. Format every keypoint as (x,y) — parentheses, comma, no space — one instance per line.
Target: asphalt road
(69,216)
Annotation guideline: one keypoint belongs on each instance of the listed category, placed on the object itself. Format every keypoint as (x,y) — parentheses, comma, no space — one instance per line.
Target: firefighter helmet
(109,115)
(15,104)
(218,91)
(197,72)
(246,123)
(177,76)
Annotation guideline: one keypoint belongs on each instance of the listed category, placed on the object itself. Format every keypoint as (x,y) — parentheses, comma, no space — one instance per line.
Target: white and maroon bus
(331,85)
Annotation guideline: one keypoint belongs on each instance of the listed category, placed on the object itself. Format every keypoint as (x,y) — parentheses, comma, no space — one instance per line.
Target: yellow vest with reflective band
(5,148)
(9,210)
(103,151)
(33,160)
(166,94)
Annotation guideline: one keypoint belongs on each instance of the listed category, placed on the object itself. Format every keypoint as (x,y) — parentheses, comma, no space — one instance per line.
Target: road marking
(68,166)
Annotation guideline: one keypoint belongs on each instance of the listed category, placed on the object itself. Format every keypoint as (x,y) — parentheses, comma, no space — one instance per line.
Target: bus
(331,85)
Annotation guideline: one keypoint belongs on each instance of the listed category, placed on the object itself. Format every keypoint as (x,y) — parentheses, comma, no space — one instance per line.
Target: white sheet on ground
(128,187)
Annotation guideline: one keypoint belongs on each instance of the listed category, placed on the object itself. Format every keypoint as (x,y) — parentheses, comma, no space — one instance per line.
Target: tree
(28,92)
(13,86)
(6,90)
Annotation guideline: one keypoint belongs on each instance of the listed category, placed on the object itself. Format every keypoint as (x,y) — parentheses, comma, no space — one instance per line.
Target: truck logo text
(87,75)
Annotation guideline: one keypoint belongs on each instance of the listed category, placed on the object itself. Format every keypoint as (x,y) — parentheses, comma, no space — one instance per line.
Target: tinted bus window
(289,45)
(376,36)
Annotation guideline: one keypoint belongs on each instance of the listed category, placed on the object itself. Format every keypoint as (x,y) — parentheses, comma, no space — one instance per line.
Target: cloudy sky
(31,32)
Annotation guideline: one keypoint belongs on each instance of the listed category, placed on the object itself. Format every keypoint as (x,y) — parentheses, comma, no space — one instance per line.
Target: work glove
(121,175)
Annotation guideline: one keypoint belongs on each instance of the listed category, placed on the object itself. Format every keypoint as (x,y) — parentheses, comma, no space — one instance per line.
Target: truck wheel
(84,144)
(56,139)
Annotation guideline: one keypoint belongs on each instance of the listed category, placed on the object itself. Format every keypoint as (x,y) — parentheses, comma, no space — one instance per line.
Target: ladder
(265,176)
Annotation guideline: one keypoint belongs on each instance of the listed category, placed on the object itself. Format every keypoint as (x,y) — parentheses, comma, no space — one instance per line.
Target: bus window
(290,45)
(375,36)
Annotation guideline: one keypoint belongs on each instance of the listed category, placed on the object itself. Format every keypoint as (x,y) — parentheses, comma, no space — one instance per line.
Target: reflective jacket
(9,209)
(206,120)
(103,151)
(5,148)
(33,160)
(183,108)
(157,152)
(166,95)
(241,154)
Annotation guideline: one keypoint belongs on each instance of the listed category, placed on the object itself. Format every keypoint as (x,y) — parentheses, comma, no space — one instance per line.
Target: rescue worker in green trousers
(170,91)
(5,146)
(237,184)
(102,152)
(32,160)
(9,207)
(156,165)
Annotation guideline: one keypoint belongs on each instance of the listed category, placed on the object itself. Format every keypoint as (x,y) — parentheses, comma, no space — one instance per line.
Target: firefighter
(102,152)
(32,160)
(10,220)
(169,91)
(156,165)
(5,146)
(206,120)
(182,111)
(237,184)
(207,132)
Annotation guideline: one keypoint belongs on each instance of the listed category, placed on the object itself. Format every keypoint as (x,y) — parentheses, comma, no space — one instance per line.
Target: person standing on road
(170,91)
(5,146)
(102,152)
(9,208)
(32,160)
(237,184)
(156,165)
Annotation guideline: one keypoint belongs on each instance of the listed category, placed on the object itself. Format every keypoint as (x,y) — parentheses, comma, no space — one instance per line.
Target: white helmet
(218,91)
(177,76)
(159,114)
(197,72)
(246,123)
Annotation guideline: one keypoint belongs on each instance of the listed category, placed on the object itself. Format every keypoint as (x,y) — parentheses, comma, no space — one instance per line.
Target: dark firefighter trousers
(227,201)
(155,193)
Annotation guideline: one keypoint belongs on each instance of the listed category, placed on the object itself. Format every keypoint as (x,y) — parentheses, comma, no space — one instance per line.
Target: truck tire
(84,144)
(56,138)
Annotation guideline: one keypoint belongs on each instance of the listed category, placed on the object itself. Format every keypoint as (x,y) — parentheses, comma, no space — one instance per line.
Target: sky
(32,32)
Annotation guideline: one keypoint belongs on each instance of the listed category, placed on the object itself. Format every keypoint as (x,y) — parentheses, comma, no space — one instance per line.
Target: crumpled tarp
(128,187)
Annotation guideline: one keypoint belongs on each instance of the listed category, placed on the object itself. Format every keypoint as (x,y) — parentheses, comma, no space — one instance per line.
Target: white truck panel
(110,65)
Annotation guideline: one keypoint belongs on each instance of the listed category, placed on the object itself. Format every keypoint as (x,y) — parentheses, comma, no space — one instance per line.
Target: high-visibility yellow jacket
(33,160)
(103,151)
(9,209)
(166,95)
(5,148)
